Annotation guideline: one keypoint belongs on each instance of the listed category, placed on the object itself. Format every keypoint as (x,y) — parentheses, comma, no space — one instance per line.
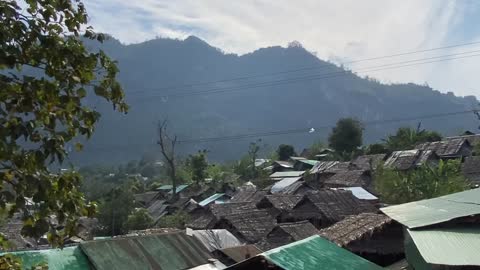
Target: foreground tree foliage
(45,74)
(425,182)
(285,151)
(140,219)
(198,165)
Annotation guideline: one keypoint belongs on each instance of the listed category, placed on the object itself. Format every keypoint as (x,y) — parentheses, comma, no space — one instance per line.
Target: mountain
(159,77)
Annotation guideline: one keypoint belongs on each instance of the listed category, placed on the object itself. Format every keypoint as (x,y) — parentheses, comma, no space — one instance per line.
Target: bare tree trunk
(167,148)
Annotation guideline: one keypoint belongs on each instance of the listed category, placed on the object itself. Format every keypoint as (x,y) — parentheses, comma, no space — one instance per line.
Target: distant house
(326,207)
(296,188)
(208,218)
(441,233)
(302,164)
(281,166)
(284,183)
(277,176)
(354,178)
(247,194)
(472,138)
(375,237)
(249,227)
(279,206)
(324,170)
(313,252)
(368,162)
(233,255)
(286,233)
(215,198)
(157,210)
(449,148)
(471,169)
(362,194)
(147,198)
(410,159)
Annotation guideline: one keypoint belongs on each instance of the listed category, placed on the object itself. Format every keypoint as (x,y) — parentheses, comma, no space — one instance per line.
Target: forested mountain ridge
(157,74)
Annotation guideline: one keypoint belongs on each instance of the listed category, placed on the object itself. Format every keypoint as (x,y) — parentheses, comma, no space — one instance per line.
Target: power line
(309,129)
(246,77)
(414,62)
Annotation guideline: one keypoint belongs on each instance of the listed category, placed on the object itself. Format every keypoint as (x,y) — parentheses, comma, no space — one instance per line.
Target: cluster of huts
(314,214)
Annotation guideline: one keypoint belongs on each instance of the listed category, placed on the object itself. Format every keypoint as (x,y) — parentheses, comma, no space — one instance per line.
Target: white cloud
(342,29)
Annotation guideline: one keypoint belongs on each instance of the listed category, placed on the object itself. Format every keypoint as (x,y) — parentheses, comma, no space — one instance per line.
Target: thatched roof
(247,194)
(368,162)
(202,222)
(355,227)
(283,202)
(473,139)
(146,198)
(409,159)
(299,230)
(252,226)
(157,209)
(226,209)
(12,231)
(445,148)
(335,205)
(356,178)
(367,233)
(471,169)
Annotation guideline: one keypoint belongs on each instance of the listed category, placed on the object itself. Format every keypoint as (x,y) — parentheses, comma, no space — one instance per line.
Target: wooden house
(286,233)
(471,170)
(279,206)
(248,227)
(375,237)
(326,207)
(350,178)
(410,159)
(449,148)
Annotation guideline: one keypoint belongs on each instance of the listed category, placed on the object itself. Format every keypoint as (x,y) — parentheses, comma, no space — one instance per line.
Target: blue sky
(339,30)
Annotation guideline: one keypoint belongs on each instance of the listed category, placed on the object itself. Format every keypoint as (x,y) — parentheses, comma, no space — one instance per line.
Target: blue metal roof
(179,188)
(360,193)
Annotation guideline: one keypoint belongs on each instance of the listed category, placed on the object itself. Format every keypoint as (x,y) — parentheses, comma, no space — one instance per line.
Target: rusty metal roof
(163,251)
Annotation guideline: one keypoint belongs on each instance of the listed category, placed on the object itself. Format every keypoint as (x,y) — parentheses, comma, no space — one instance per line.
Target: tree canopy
(346,136)
(45,75)
(407,138)
(424,182)
(285,151)
(198,165)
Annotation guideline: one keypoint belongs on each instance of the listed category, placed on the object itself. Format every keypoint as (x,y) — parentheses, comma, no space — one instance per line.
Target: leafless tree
(167,147)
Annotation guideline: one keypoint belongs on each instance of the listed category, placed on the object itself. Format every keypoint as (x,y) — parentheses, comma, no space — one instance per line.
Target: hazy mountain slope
(154,69)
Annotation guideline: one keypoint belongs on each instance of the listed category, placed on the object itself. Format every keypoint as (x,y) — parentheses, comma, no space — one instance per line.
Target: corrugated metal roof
(179,188)
(316,252)
(287,174)
(282,184)
(360,193)
(216,239)
(309,161)
(165,187)
(436,210)
(448,246)
(69,258)
(162,251)
(211,199)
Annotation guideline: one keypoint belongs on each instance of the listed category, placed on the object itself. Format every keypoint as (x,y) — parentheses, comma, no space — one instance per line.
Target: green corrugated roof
(211,199)
(436,210)
(163,251)
(314,253)
(165,187)
(309,161)
(179,188)
(69,258)
(452,246)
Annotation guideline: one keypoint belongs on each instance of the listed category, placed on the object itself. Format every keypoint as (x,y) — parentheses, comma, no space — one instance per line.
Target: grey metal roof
(215,239)
(284,183)
(437,210)
(360,193)
(287,174)
(448,246)
(408,159)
